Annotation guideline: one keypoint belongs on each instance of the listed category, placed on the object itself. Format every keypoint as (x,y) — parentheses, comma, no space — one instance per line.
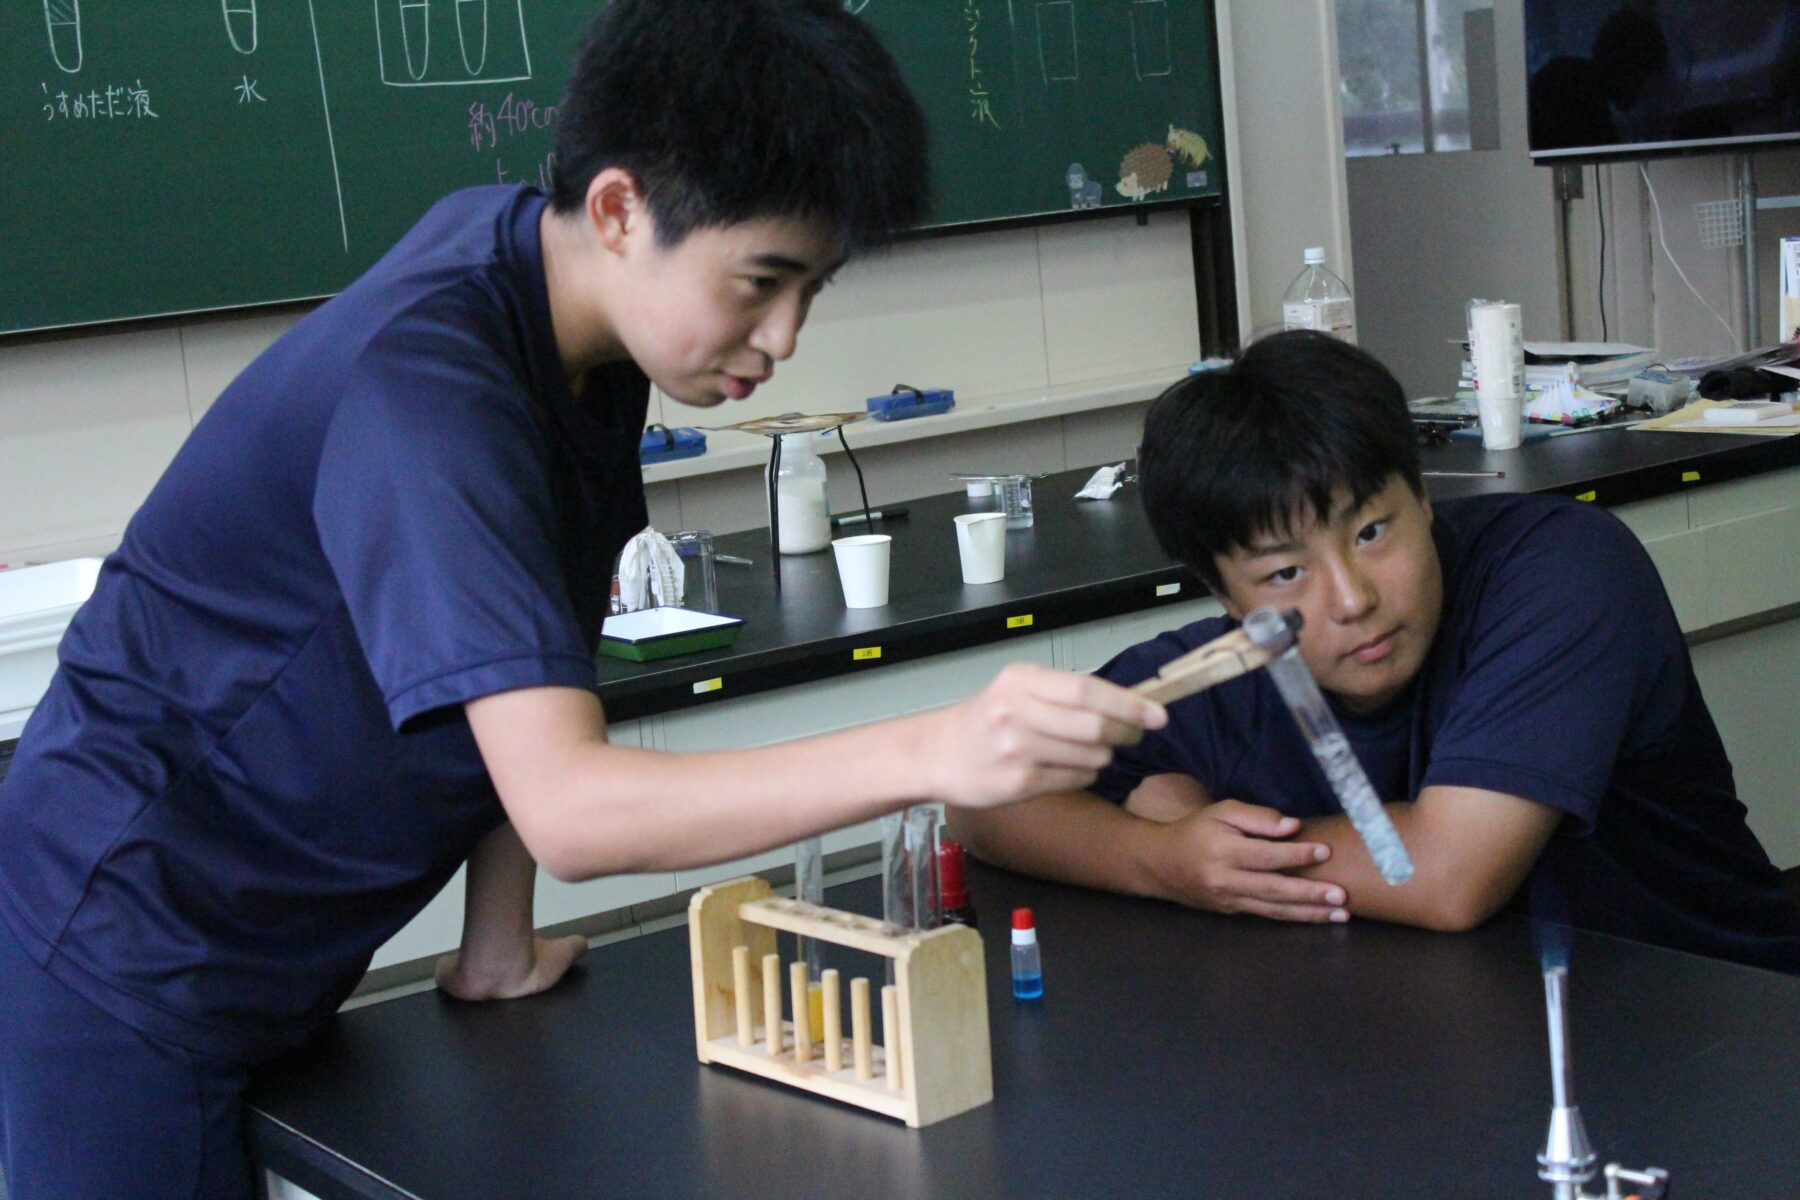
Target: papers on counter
(1691,419)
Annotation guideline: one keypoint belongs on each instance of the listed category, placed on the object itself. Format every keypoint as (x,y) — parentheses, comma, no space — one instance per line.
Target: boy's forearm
(1070,837)
(626,810)
(497,903)
(586,808)
(1470,849)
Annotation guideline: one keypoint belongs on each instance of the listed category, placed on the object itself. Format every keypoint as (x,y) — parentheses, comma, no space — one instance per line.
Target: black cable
(1600,207)
(775,509)
(860,485)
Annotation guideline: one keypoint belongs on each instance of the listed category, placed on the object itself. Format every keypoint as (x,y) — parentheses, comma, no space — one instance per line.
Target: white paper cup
(1500,418)
(862,564)
(981,543)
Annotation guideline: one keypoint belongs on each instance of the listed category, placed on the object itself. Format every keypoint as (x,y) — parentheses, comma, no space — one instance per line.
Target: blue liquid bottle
(1027,967)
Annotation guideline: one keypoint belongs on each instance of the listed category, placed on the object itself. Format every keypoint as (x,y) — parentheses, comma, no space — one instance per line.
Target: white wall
(1646,297)
(88,421)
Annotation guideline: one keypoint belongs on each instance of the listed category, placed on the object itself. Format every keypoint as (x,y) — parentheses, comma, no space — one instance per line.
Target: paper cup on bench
(862,564)
(981,544)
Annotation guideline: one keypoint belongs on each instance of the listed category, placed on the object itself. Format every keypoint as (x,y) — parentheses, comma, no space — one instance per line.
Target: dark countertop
(1084,561)
(1176,1053)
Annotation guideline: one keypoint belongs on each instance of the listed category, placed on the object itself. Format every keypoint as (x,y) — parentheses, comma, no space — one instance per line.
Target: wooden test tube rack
(942,1065)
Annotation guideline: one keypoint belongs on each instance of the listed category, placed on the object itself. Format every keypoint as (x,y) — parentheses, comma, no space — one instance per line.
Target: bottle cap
(953,882)
(1022,919)
(1315,256)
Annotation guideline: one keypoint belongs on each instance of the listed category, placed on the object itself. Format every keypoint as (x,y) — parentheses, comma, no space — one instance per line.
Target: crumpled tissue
(1102,483)
(650,573)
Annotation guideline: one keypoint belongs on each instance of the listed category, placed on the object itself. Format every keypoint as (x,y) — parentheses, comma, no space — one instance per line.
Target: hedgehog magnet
(1145,170)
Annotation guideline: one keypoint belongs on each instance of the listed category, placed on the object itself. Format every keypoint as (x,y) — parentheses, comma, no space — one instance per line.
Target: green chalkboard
(183,155)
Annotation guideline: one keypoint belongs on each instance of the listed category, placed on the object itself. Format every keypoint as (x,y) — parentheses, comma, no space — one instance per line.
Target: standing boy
(347,643)
(1507,668)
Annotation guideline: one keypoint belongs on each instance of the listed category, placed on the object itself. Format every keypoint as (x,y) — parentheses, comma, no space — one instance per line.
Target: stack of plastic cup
(1497,352)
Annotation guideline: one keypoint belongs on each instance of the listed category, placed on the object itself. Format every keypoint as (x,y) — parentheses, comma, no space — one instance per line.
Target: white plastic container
(1317,299)
(800,495)
(36,604)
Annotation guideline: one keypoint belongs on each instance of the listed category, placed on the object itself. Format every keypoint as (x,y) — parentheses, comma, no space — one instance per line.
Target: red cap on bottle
(953,882)
(1022,919)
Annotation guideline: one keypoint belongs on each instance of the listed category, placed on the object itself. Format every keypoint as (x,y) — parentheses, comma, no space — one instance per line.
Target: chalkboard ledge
(730,451)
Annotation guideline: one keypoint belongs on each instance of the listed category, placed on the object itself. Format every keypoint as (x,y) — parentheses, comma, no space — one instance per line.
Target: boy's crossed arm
(1471,849)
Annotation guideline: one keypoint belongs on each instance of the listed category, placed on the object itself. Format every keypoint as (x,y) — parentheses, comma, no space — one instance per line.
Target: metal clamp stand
(798,423)
(774,428)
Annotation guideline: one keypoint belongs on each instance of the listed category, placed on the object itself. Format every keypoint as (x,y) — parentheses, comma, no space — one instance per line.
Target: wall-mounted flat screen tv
(1641,78)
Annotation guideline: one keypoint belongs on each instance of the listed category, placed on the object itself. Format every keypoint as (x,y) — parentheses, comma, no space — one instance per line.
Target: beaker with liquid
(1009,494)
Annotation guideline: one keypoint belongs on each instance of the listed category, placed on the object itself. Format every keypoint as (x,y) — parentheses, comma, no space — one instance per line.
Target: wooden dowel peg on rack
(890,1031)
(740,990)
(803,1041)
(833,1032)
(860,1035)
(772,1025)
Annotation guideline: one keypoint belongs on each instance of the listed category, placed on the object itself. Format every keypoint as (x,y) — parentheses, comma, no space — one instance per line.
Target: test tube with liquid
(1268,626)
(809,886)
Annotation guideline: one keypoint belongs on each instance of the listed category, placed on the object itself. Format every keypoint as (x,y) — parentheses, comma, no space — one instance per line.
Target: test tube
(809,886)
(1267,626)
(896,913)
(921,863)
(909,897)
(909,889)
(894,908)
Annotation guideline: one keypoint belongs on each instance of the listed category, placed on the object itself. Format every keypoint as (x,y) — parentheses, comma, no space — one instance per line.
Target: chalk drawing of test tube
(490,36)
(240,24)
(62,20)
(472,26)
(415,30)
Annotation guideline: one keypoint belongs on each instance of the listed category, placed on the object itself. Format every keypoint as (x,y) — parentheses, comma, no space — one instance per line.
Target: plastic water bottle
(1317,299)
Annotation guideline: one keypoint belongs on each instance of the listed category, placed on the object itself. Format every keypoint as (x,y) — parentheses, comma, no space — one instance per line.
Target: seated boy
(1507,667)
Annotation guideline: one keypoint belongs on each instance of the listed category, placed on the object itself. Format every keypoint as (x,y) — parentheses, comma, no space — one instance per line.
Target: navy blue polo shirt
(1558,674)
(252,766)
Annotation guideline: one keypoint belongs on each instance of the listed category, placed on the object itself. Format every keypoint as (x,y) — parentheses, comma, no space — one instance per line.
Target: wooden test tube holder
(1225,657)
(945,1060)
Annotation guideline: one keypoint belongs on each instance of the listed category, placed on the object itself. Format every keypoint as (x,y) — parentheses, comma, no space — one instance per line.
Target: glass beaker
(700,580)
(1015,500)
(1009,494)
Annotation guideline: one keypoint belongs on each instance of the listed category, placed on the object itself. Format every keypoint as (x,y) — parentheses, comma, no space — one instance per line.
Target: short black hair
(1248,450)
(736,110)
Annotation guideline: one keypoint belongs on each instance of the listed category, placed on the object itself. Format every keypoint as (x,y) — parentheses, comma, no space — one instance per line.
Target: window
(1406,69)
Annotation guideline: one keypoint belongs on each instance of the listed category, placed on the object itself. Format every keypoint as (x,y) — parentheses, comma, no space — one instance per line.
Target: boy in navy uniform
(1508,669)
(347,643)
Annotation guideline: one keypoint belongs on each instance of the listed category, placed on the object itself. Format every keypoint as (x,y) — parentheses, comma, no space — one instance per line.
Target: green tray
(666,632)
